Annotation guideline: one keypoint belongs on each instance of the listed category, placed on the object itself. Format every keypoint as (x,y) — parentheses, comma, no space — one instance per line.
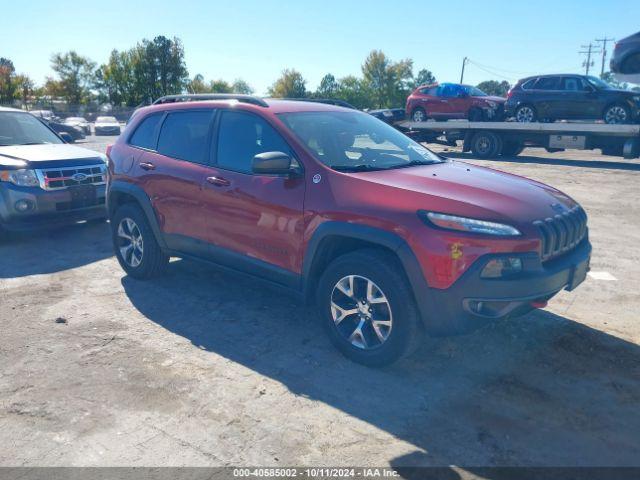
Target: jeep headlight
(469,225)
(22,178)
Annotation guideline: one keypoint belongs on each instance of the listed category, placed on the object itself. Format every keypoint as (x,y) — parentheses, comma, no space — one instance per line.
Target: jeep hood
(46,152)
(464,189)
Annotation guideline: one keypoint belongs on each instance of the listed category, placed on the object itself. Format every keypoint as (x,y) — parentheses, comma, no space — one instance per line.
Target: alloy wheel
(525,114)
(130,242)
(615,114)
(361,312)
(418,116)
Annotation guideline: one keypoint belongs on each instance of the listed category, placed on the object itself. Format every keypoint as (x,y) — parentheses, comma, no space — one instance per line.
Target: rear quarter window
(528,85)
(145,134)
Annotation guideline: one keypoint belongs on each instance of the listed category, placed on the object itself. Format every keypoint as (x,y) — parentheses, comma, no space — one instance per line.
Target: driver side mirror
(65,137)
(271,163)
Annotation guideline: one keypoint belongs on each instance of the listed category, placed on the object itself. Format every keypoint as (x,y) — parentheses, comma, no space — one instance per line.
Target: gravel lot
(208,368)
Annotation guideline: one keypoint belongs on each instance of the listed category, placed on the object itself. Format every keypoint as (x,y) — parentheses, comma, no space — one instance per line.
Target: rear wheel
(135,244)
(419,115)
(368,309)
(525,114)
(486,145)
(616,114)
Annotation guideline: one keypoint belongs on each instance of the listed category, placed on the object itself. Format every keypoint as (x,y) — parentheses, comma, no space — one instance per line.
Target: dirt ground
(204,368)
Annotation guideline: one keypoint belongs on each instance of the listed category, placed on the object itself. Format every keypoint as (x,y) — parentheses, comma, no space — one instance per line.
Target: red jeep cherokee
(389,239)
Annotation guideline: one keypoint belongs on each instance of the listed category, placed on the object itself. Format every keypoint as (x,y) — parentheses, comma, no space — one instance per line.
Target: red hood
(493,99)
(468,190)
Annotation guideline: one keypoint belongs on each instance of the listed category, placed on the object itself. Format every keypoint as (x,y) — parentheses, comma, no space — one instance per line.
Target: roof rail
(329,101)
(211,96)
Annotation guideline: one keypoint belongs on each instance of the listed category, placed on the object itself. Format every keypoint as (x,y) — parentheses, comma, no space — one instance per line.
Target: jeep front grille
(64,177)
(561,233)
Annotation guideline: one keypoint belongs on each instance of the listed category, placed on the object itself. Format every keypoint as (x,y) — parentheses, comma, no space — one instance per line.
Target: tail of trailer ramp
(493,139)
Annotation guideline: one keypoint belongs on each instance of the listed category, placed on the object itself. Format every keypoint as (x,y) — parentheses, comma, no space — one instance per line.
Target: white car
(79,122)
(107,126)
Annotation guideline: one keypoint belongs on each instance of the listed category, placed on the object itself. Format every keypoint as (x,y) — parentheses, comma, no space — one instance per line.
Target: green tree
(240,86)
(355,91)
(424,77)
(493,87)
(328,87)
(291,84)
(7,84)
(75,74)
(115,80)
(389,81)
(24,86)
(197,85)
(220,86)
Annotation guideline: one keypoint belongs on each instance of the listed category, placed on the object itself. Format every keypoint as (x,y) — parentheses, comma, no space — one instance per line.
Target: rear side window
(548,83)
(185,135)
(429,91)
(244,135)
(145,134)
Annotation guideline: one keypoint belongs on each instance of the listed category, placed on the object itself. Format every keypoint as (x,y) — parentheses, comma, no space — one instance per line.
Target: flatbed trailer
(492,139)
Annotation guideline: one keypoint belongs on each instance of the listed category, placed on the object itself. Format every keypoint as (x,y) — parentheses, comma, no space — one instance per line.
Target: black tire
(384,271)
(476,115)
(153,260)
(419,112)
(525,113)
(616,114)
(486,144)
(512,148)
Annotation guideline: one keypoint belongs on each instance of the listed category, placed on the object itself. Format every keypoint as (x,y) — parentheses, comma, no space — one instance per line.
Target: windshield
(473,91)
(355,141)
(18,128)
(106,120)
(596,82)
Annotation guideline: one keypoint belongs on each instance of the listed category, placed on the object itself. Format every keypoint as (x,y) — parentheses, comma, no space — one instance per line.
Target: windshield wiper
(415,163)
(32,143)
(357,168)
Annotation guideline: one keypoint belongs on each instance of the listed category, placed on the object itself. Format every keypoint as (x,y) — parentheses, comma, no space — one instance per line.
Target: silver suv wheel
(361,312)
(130,242)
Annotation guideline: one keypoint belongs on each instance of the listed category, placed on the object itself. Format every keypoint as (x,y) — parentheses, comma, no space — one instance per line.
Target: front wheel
(368,309)
(419,115)
(135,244)
(616,114)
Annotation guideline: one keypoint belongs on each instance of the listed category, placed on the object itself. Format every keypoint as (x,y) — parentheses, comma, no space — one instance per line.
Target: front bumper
(47,207)
(472,302)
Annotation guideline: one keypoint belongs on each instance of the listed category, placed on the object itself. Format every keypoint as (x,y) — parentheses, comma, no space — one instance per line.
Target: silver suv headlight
(22,178)
(469,225)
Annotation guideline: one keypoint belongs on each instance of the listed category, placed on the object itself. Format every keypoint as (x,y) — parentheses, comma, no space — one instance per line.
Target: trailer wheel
(512,148)
(486,145)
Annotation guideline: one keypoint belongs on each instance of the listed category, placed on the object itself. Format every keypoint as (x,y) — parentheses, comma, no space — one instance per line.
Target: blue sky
(255,40)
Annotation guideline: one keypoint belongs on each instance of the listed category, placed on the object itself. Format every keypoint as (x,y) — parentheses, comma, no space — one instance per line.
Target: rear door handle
(147,166)
(218,181)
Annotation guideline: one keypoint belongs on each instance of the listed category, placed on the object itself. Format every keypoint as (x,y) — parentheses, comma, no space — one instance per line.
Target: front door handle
(218,181)
(147,166)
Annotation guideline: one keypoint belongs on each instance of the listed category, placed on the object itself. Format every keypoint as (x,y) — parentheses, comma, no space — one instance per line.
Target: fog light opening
(23,206)
(502,267)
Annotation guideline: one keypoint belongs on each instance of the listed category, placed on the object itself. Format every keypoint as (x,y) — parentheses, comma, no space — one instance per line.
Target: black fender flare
(376,236)
(143,201)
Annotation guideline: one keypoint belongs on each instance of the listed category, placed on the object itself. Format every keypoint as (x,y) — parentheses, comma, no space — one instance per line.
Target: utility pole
(590,51)
(604,50)
(464,62)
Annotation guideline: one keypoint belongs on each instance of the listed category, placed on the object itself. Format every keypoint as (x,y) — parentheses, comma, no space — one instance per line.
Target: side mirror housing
(65,137)
(271,163)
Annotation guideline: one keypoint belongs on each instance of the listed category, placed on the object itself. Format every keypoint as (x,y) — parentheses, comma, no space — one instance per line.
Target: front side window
(355,141)
(17,128)
(473,91)
(185,135)
(242,136)
(145,134)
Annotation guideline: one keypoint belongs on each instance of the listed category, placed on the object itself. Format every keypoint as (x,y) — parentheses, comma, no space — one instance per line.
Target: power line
(588,63)
(604,41)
